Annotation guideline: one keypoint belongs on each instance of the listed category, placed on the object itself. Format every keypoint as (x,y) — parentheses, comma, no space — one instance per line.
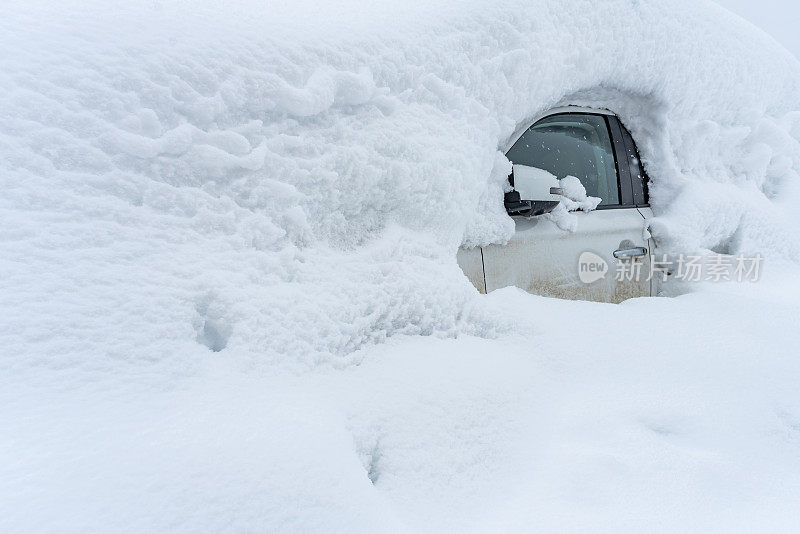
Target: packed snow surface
(229,293)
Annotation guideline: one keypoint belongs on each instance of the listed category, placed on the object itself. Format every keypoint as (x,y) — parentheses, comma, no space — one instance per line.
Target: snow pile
(574,198)
(232,176)
(191,189)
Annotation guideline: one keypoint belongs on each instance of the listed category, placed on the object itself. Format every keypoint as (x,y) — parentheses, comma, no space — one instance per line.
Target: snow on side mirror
(536,192)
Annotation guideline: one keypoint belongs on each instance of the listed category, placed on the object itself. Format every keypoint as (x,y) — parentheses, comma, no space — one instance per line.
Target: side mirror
(536,192)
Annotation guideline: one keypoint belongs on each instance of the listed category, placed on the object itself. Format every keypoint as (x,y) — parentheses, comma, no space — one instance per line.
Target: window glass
(572,145)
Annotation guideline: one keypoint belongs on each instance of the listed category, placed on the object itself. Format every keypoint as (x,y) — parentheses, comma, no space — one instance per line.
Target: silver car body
(544,259)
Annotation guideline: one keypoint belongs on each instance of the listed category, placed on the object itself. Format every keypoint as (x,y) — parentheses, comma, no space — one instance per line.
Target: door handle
(633,252)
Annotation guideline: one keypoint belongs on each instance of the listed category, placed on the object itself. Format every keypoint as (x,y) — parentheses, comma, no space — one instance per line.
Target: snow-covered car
(605,256)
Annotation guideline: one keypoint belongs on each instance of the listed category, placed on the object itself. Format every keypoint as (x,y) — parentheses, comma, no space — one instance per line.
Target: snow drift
(296,186)
(279,185)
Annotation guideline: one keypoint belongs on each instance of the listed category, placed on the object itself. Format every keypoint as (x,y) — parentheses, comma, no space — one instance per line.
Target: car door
(606,258)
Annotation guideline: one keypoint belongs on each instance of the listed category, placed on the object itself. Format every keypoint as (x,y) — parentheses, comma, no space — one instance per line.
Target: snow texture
(574,198)
(226,225)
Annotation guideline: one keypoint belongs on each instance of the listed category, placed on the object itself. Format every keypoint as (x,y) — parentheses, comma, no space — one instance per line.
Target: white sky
(779,18)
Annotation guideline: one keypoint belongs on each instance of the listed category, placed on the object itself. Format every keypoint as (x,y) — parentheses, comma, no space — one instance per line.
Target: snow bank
(283,185)
(295,187)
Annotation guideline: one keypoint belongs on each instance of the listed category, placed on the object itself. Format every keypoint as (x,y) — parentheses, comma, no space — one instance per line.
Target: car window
(572,145)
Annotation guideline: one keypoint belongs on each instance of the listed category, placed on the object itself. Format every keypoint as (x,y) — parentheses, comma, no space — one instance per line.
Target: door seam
(483,270)
(651,250)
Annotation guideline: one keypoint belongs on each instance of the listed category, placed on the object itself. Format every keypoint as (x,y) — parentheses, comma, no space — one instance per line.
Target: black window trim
(623,171)
(640,187)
